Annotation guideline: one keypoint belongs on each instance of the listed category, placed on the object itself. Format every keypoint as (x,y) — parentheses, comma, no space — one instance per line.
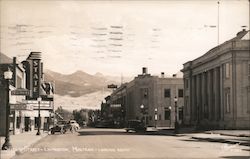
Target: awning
(20,106)
(34,113)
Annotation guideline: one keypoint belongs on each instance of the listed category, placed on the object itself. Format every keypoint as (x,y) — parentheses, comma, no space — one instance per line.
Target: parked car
(135,125)
(61,127)
(74,124)
(104,124)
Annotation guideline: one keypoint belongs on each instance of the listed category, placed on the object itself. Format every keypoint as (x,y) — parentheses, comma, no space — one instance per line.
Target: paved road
(116,143)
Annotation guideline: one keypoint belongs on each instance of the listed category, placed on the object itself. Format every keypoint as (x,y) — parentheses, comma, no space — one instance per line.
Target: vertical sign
(36,77)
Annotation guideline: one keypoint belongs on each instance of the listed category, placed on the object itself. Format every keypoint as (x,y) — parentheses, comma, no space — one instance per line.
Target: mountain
(78,83)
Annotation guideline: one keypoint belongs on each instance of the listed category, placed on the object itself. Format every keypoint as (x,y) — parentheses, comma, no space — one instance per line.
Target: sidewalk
(20,142)
(240,137)
(221,138)
(237,133)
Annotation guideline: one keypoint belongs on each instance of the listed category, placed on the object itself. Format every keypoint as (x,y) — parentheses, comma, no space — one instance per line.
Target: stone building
(150,98)
(217,86)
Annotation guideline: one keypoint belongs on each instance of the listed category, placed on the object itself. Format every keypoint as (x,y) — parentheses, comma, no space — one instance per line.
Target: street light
(176,125)
(156,117)
(170,116)
(7,145)
(39,99)
(143,113)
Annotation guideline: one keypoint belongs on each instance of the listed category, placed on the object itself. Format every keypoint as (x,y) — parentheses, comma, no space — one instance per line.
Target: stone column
(209,94)
(193,110)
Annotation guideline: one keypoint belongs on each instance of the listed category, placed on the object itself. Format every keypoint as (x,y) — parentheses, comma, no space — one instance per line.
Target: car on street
(74,124)
(61,127)
(135,125)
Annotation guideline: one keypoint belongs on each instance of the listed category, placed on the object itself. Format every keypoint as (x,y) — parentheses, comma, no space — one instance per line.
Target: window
(19,82)
(167,93)
(248,99)
(227,70)
(180,93)
(180,113)
(248,69)
(167,114)
(159,116)
(227,99)
(18,122)
(186,83)
(144,92)
(150,117)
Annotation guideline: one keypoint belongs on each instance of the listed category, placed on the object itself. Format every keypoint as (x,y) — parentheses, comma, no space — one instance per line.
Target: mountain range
(78,83)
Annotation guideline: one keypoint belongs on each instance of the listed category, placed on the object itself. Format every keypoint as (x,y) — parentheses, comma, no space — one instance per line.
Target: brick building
(156,94)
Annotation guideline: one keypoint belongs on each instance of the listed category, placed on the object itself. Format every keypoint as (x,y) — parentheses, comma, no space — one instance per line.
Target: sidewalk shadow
(113,132)
(238,157)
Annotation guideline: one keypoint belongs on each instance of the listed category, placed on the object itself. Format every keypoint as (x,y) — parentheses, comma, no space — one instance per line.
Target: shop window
(18,122)
(180,93)
(36,122)
(167,93)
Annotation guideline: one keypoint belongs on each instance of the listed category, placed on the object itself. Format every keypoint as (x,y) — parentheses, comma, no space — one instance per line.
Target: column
(209,94)
(193,109)
(215,98)
(198,97)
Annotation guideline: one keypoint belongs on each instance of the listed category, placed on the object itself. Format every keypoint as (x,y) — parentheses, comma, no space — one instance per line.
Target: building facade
(217,86)
(17,94)
(22,98)
(150,99)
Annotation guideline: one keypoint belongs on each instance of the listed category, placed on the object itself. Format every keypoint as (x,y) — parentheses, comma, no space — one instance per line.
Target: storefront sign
(22,92)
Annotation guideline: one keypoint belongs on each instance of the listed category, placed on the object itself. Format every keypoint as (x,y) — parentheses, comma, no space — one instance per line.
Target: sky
(118,37)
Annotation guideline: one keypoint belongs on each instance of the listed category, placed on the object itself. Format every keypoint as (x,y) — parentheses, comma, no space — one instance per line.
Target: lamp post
(176,125)
(7,145)
(39,99)
(156,117)
(170,116)
(142,109)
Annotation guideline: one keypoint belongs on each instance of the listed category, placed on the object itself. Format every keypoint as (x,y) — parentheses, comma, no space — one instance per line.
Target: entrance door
(27,123)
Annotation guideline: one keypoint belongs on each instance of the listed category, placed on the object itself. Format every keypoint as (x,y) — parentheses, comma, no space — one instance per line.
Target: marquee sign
(36,77)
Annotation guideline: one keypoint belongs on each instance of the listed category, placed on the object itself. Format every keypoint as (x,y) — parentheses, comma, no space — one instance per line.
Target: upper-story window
(144,92)
(167,93)
(186,83)
(227,70)
(180,93)
(18,82)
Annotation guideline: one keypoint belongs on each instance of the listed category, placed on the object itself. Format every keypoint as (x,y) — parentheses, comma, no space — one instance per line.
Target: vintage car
(135,125)
(74,124)
(61,127)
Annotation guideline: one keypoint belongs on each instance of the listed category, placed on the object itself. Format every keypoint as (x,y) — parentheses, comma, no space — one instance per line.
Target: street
(116,143)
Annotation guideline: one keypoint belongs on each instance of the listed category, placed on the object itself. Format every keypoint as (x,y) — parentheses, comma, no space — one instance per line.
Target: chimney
(162,74)
(174,75)
(144,70)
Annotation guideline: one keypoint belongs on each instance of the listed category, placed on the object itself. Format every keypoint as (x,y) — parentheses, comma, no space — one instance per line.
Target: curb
(222,141)
(226,134)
